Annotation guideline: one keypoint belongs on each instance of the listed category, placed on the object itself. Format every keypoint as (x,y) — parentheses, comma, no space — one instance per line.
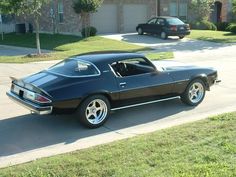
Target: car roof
(107,57)
(165,17)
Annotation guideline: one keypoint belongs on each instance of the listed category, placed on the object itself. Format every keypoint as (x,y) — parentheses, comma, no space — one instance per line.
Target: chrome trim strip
(92,75)
(30,106)
(168,83)
(145,103)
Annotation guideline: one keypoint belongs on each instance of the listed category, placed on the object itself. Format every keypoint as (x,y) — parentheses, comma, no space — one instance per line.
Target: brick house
(119,16)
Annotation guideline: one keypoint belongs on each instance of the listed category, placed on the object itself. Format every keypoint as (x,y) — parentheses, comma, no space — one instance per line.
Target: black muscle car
(164,26)
(93,85)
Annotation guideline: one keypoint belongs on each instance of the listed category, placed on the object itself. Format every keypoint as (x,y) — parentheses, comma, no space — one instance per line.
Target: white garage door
(105,19)
(133,15)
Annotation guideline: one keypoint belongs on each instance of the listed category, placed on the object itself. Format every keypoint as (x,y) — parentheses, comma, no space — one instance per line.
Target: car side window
(131,67)
(160,21)
(152,21)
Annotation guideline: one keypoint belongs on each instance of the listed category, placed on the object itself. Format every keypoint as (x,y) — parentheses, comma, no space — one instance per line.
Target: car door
(160,23)
(146,83)
(150,26)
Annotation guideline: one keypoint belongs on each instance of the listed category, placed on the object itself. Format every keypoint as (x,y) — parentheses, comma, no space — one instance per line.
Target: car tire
(94,111)
(194,93)
(164,35)
(181,37)
(140,31)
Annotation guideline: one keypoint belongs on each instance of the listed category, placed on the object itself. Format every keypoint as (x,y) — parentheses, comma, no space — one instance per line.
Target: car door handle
(122,84)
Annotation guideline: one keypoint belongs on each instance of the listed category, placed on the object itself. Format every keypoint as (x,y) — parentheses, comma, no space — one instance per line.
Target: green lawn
(213,36)
(204,148)
(64,46)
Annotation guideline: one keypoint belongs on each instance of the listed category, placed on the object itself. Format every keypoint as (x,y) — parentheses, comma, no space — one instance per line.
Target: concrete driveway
(185,49)
(25,137)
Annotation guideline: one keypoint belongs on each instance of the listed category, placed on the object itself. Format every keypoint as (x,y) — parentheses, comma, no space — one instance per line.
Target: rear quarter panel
(70,92)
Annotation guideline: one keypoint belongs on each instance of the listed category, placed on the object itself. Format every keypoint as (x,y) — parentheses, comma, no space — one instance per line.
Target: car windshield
(175,21)
(74,68)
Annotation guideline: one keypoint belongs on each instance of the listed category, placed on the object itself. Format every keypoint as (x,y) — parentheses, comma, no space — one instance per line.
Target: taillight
(42,99)
(35,97)
(188,26)
(173,28)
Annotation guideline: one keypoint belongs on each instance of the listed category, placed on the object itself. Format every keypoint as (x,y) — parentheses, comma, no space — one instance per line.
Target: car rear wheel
(195,93)
(94,111)
(181,37)
(164,35)
(140,31)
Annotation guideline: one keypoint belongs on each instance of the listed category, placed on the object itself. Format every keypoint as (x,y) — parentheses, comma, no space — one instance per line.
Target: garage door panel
(133,15)
(105,19)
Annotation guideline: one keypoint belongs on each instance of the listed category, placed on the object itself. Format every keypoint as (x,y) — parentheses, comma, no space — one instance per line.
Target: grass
(160,55)
(204,148)
(213,36)
(64,46)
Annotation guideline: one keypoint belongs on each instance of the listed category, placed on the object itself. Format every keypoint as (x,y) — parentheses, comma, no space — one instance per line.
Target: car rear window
(75,68)
(175,21)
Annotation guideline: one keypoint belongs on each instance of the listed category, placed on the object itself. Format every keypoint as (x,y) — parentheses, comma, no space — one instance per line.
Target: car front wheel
(195,93)
(164,35)
(181,37)
(94,111)
(140,31)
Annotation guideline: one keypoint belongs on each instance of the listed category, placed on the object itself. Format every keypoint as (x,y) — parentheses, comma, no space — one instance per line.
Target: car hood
(172,65)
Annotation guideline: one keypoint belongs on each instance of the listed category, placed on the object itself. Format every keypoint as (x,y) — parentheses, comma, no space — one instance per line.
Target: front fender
(203,77)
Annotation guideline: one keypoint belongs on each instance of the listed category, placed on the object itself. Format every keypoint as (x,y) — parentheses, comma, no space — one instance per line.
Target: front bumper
(41,110)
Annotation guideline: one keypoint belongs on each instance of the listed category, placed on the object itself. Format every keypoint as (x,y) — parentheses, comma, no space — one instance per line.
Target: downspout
(158,8)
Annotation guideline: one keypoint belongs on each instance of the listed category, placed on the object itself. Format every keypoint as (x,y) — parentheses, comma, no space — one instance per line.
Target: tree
(84,8)
(30,8)
(234,7)
(201,8)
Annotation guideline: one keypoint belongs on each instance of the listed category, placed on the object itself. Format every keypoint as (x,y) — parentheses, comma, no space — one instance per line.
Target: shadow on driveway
(29,132)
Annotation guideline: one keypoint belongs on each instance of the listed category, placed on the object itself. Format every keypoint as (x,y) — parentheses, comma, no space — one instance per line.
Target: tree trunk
(37,36)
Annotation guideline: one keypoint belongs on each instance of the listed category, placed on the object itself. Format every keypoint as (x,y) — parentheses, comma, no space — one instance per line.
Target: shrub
(222,26)
(89,31)
(232,28)
(204,25)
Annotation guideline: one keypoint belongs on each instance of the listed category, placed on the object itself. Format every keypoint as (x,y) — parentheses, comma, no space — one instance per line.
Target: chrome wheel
(140,31)
(196,92)
(163,35)
(96,111)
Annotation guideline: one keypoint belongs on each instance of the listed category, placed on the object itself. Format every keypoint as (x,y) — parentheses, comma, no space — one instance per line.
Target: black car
(164,26)
(93,85)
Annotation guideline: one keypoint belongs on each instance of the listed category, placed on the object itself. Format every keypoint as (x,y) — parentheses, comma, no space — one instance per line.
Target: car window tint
(160,21)
(175,21)
(131,67)
(152,21)
(74,68)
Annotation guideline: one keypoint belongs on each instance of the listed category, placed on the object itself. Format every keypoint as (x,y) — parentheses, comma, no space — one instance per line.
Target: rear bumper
(178,33)
(41,110)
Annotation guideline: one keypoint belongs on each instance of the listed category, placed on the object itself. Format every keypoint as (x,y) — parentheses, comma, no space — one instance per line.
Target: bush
(232,28)
(222,26)
(89,31)
(204,25)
